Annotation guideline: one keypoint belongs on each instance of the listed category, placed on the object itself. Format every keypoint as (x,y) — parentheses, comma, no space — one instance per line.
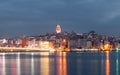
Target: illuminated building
(24,42)
(58,29)
(106,47)
(31,42)
(46,45)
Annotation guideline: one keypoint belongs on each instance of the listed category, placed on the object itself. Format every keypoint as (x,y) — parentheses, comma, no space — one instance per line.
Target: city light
(106,47)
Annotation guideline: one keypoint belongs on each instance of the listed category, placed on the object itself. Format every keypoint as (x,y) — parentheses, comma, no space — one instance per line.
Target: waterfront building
(89,44)
(44,44)
(31,42)
(24,41)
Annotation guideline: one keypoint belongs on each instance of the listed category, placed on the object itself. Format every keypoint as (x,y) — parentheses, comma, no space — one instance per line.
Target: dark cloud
(31,17)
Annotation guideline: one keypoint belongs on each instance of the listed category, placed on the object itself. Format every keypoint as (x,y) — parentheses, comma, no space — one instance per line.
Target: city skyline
(33,17)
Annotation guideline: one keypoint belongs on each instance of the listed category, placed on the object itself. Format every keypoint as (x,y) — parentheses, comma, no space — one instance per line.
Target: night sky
(34,17)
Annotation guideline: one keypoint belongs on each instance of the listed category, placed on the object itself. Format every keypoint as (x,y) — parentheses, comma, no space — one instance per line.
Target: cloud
(33,16)
(112,13)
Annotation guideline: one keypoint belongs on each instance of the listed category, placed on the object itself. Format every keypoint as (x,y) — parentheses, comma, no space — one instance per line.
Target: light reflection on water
(60,63)
(107,63)
(117,63)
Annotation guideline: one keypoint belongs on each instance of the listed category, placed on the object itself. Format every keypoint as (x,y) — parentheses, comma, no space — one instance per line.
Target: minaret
(58,29)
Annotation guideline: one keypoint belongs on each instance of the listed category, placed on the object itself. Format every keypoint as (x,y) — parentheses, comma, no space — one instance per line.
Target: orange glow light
(106,47)
(107,62)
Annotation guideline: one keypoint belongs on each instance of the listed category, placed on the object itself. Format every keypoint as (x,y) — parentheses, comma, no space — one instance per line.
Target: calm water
(60,63)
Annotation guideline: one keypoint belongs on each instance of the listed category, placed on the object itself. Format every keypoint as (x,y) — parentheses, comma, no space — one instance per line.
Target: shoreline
(14,49)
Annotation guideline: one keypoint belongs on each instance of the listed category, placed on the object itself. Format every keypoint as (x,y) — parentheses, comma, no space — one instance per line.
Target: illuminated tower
(58,29)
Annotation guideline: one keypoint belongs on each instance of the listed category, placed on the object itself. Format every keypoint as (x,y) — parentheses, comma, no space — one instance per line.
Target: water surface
(60,63)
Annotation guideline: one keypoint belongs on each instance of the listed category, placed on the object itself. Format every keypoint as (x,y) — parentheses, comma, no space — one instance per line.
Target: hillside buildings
(64,41)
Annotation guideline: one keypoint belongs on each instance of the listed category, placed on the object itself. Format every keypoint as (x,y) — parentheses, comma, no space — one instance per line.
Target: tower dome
(58,29)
